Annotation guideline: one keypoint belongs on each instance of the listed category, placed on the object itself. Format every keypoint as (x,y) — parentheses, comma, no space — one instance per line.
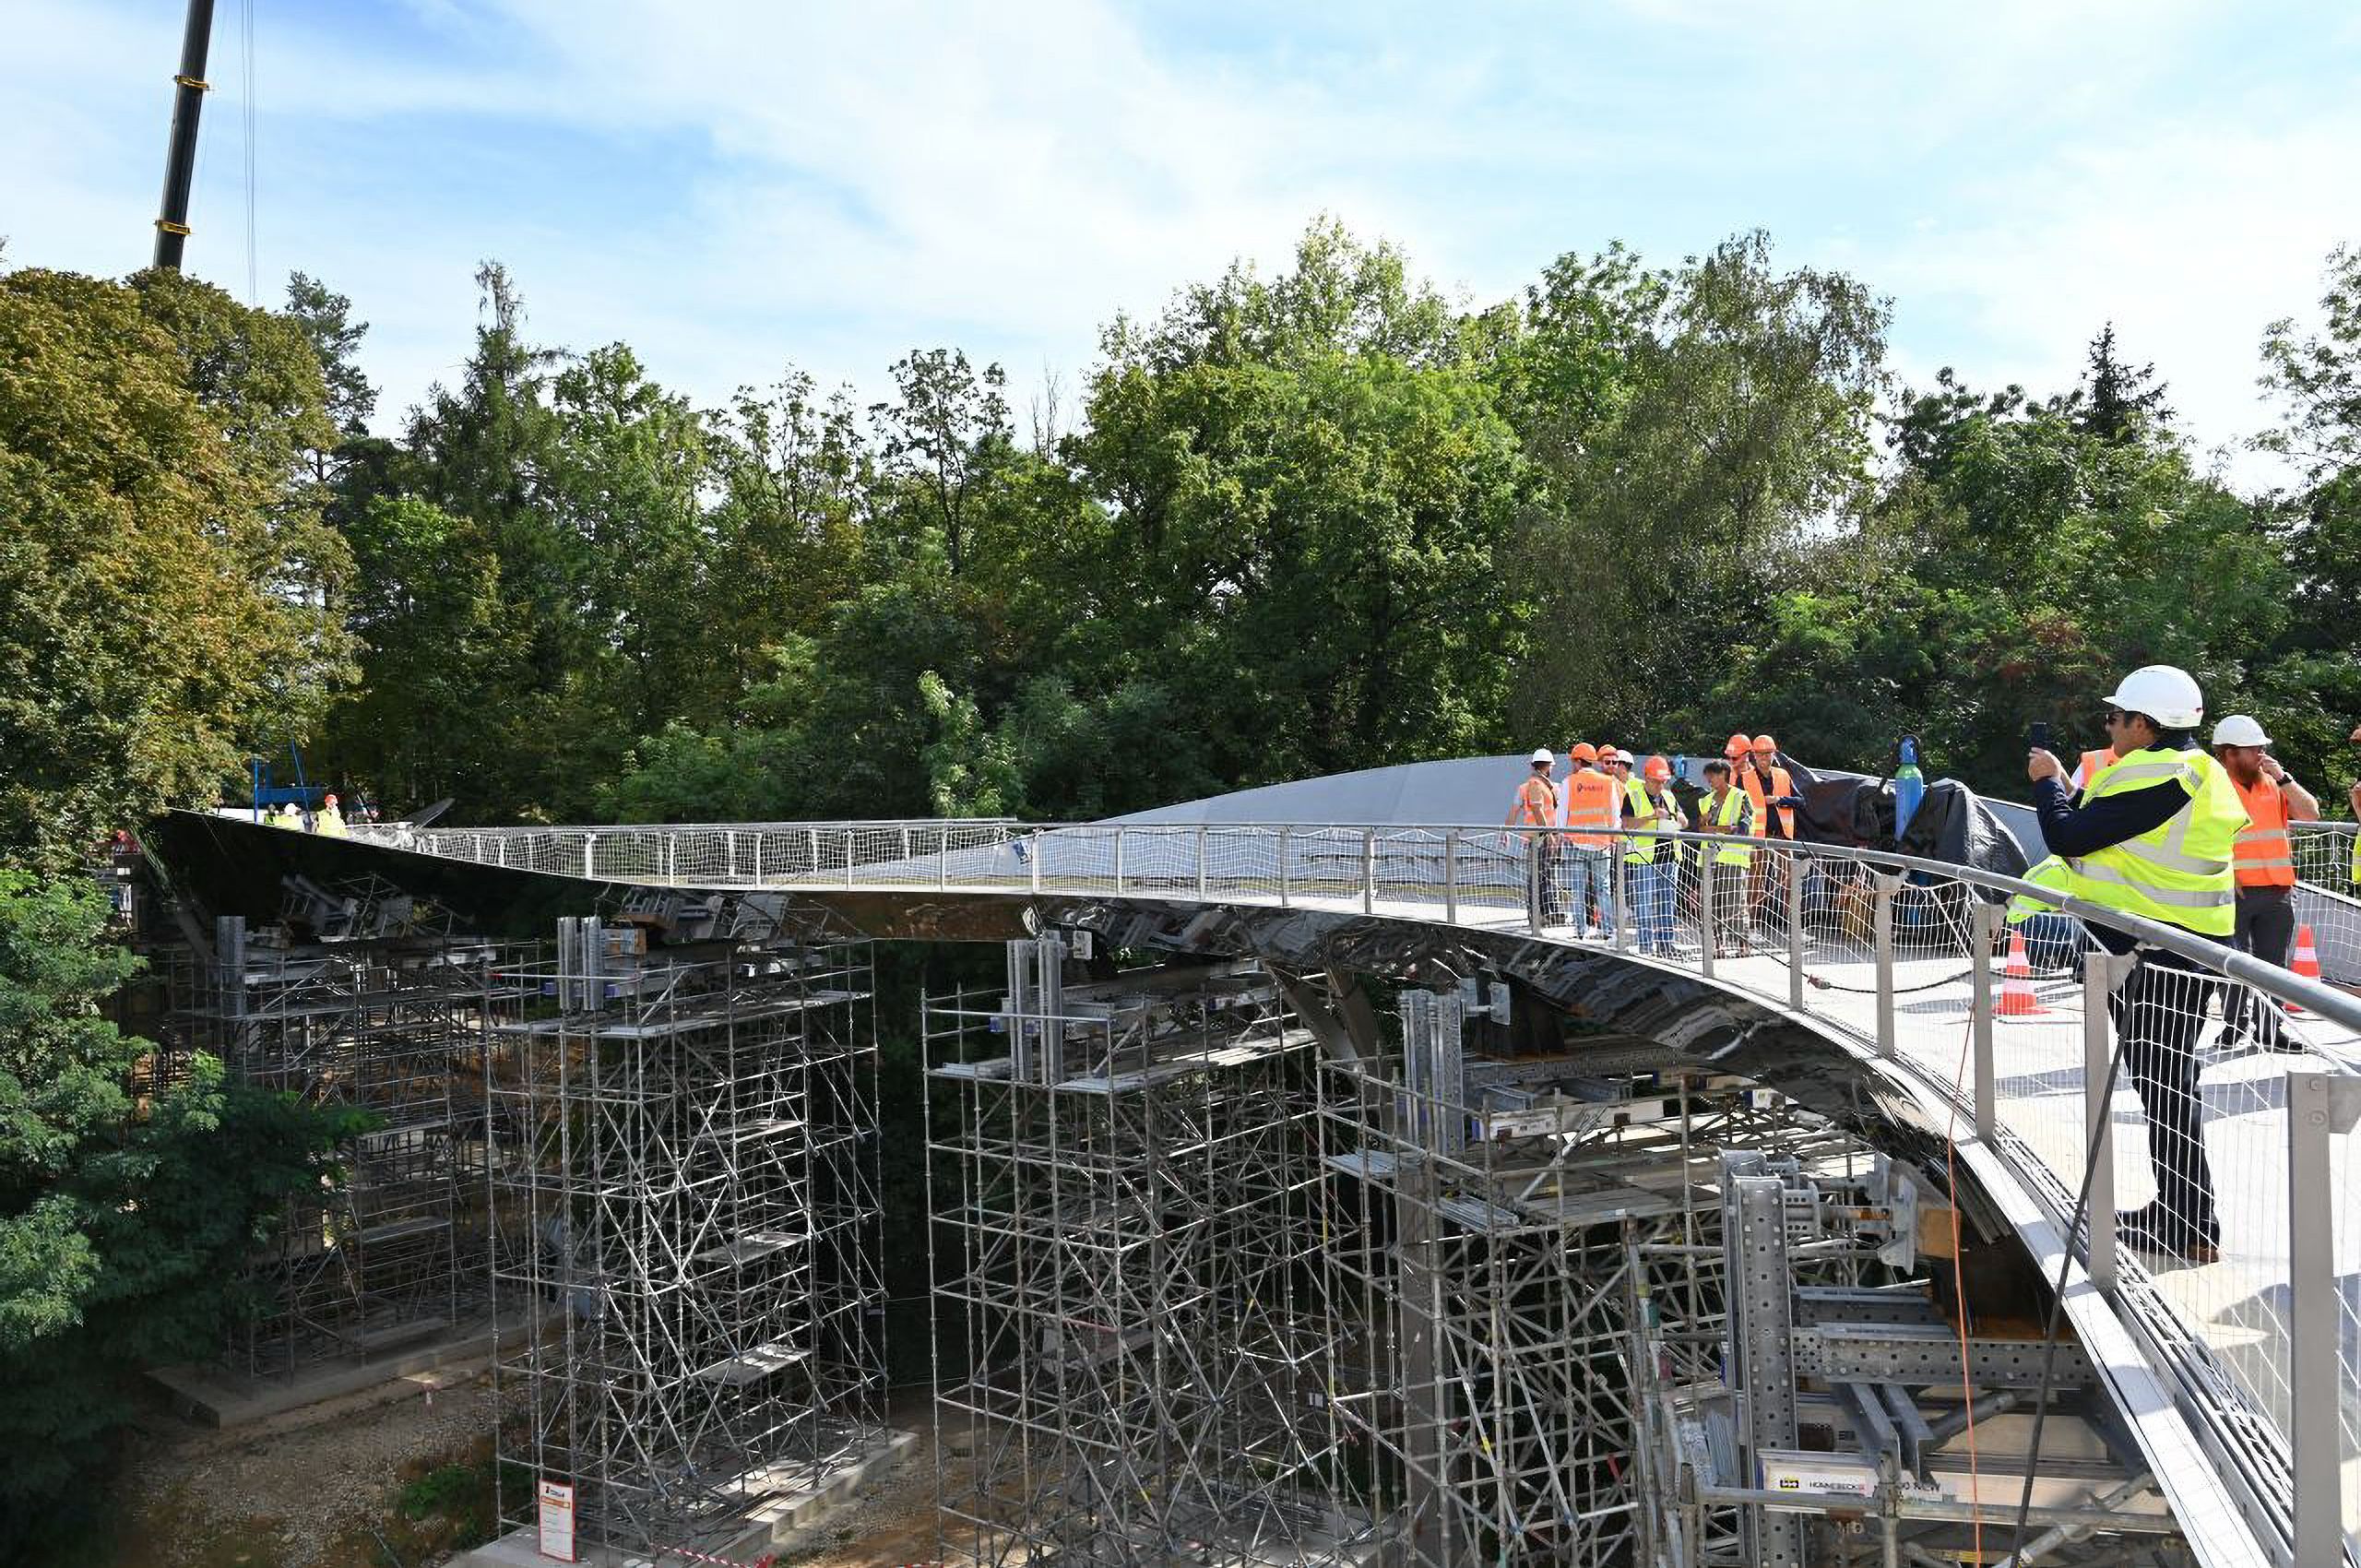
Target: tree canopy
(1292,522)
(171,594)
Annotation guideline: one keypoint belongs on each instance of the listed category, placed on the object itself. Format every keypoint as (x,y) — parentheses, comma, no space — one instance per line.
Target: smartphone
(2037,737)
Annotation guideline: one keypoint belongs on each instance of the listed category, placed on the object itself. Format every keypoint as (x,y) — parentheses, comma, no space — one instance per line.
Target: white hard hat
(1544,754)
(2239,730)
(2165,694)
(1626,758)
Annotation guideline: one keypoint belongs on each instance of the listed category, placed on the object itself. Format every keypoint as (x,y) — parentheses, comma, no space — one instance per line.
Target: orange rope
(1959,1293)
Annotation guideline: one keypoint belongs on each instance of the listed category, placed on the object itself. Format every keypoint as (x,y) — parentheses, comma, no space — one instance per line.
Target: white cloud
(845,183)
(2188,240)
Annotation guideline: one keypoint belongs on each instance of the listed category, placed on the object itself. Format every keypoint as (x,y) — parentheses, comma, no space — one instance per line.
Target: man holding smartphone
(2153,836)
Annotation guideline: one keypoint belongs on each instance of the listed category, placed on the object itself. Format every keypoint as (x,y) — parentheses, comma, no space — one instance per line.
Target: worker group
(1605,842)
(2170,848)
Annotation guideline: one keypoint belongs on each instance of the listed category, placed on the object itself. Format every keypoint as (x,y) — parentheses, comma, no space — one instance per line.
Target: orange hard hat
(1765,743)
(1737,745)
(1583,751)
(1658,769)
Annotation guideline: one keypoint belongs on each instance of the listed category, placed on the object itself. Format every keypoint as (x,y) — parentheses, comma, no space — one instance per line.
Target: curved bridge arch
(1369,900)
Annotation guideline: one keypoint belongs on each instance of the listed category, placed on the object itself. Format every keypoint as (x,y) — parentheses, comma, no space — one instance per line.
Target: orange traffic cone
(2306,963)
(2017,998)
(2308,957)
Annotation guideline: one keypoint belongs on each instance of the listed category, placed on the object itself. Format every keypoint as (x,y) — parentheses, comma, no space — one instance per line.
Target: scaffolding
(388,1256)
(683,1226)
(1826,1429)
(1499,1231)
(1130,1335)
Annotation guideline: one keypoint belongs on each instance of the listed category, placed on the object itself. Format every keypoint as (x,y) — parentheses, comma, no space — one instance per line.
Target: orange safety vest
(1595,802)
(2262,854)
(2092,766)
(1782,783)
(1536,802)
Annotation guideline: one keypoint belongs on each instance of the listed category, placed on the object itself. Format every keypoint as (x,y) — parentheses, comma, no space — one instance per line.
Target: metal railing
(2241,1268)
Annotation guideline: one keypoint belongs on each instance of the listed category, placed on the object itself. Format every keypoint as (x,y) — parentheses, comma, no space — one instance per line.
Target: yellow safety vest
(1724,817)
(328,823)
(1643,852)
(2177,873)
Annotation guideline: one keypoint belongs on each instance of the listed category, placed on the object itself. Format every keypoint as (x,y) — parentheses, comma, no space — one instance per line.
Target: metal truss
(1130,1331)
(683,1226)
(1827,1428)
(1500,1254)
(389,1028)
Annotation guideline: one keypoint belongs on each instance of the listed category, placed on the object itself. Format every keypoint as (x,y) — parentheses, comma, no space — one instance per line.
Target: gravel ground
(312,1474)
(277,1494)
(891,1521)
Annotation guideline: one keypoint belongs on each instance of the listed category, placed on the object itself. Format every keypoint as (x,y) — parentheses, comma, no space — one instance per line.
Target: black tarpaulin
(1951,824)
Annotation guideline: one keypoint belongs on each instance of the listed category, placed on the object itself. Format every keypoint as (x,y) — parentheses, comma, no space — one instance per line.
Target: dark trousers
(2157,1016)
(2267,928)
(1540,850)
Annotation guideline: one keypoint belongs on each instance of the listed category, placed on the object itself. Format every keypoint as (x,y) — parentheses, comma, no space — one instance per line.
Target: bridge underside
(1335,970)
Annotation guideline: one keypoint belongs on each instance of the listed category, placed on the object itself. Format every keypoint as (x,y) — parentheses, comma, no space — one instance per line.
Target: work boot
(2153,1231)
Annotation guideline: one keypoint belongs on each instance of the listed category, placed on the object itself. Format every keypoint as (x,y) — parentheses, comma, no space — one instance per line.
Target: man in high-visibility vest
(1594,803)
(2153,837)
(2265,868)
(1534,812)
(2356,738)
(328,822)
(1651,811)
(1767,784)
(1726,813)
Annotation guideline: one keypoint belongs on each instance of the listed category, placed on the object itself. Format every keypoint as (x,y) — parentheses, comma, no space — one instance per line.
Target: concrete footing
(218,1397)
(771,1522)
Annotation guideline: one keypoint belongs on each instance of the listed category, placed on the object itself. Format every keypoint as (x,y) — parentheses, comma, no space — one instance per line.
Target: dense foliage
(168,585)
(125,1210)
(1303,523)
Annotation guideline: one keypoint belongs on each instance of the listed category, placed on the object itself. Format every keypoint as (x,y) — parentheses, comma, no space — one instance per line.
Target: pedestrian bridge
(2240,1378)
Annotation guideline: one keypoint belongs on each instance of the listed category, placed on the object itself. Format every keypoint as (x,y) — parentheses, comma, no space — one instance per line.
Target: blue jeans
(1588,873)
(1652,906)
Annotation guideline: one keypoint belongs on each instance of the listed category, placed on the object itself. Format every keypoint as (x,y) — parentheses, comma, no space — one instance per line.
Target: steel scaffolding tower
(1125,1272)
(684,1225)
(389,1027)
(1508,1239)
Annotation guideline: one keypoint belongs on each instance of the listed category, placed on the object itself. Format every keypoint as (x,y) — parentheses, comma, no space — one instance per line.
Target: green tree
(123,1221)
(940,442)
(2116,398)
(2316,671)
(426,603)
(2021,559)
(325,317)
(1693,435)
(1309,484)
(509,670)
(795,478)
(170,598)
(626,471)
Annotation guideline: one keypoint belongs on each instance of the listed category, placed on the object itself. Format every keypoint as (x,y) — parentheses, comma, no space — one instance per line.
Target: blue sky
(732,187)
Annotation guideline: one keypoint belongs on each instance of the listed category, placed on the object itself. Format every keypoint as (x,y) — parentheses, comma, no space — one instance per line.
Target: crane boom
(180,159)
